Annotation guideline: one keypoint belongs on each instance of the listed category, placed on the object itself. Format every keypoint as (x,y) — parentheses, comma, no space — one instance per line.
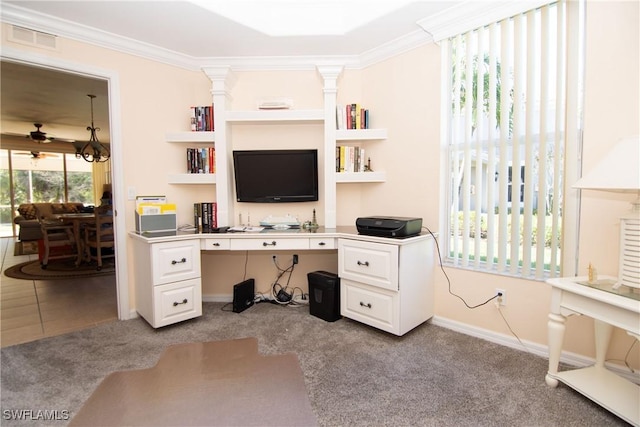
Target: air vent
(33,38)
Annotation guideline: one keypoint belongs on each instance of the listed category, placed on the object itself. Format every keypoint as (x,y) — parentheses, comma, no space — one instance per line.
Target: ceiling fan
(39,136)
(36,155)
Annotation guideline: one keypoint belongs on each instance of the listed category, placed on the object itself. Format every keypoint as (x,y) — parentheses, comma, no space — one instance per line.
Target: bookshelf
(275,116)
(225,119)
(191,137)
(360,136)
(360,177)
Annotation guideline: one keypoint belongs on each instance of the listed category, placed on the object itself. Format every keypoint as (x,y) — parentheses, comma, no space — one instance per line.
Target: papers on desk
(153,213)
(246,229)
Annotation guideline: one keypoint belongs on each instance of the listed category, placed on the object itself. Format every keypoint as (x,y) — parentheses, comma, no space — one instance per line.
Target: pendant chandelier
(93,150)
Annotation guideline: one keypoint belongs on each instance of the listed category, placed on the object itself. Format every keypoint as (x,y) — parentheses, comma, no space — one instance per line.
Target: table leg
(79,248)
(556,327)
(603,336)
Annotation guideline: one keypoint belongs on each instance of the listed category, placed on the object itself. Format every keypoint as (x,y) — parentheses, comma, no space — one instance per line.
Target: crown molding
(21,17)
(393,48)
(473,14)
(26,18)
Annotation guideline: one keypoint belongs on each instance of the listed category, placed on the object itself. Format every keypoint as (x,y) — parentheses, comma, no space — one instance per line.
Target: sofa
(30,214)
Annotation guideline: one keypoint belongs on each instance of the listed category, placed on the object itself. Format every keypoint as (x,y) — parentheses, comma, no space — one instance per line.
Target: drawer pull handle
(366,263)
(216,244)
(273,243)
(321,244)
(184,301)
(174,262)
(368,305)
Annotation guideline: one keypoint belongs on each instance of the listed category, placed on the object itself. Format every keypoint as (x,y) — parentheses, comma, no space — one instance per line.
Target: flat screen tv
(276,176)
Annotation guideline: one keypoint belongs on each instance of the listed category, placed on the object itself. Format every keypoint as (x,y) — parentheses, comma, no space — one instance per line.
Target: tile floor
(34,309)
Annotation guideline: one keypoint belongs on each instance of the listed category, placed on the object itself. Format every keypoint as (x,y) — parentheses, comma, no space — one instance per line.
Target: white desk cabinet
(387,283)
(168,281)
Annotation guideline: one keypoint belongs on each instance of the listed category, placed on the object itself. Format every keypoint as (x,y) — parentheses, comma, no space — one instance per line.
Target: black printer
(388,226)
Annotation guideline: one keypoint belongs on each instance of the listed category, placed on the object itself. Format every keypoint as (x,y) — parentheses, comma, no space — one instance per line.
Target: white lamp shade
(618,170)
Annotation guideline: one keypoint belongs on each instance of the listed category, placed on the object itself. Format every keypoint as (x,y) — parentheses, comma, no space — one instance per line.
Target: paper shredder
(324,295)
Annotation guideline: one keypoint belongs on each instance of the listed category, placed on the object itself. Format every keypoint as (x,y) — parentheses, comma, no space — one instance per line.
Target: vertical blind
(506,147)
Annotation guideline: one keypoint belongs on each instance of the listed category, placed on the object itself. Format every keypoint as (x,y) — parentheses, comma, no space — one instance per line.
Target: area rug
(216,383)
(58,269)
(25,248)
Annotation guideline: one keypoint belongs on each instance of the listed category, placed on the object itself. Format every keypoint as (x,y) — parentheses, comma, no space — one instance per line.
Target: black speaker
(324,295)
(243,295)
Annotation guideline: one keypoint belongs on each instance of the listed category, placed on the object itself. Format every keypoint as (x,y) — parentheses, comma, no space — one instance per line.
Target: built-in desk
(386,282)
(608,308)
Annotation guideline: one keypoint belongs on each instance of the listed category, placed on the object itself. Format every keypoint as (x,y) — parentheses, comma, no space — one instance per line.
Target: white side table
(608,308)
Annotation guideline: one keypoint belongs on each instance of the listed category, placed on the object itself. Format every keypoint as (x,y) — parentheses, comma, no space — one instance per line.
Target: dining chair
(99,241)
(59,241)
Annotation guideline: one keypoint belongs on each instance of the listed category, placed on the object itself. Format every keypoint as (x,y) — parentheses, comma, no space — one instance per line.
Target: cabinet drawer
(372,263)
(178,301)
(377,308)
(322,243)
(175,261)
(268,243)
(215,244)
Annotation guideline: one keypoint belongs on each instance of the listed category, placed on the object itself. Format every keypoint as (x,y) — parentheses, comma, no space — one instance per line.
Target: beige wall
(403,94)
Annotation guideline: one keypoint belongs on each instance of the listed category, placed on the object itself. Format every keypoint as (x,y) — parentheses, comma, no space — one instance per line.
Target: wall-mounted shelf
(282,116)
(192,178)
(360,134)
(356,177)
(189,136)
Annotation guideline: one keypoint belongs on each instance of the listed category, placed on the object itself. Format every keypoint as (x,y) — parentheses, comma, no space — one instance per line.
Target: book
(202,118)
(350,159)
(201,160)
(197,215)
(352,116)
(205,216)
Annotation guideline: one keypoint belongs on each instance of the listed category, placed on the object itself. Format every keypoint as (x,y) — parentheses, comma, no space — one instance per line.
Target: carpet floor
(355,375)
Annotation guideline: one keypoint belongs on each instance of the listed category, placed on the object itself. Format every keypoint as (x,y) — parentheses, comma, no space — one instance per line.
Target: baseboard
(218,298)
(566,357)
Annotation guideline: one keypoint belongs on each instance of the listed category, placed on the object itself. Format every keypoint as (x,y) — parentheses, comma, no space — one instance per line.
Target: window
(41,177)
(507,135)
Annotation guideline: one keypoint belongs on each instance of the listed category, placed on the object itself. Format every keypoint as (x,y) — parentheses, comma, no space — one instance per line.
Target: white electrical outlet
(502,299)
(131,193)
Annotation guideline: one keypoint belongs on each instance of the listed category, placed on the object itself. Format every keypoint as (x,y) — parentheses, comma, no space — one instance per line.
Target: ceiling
(190,34)
(194,29)
(57,100)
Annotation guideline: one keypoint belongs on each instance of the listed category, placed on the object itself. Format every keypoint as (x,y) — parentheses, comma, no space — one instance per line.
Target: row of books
(350,159)
(201,160)
(205,216)
(202,118)
(352,116)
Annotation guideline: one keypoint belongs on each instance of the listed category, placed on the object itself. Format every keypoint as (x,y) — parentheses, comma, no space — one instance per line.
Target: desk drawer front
(175,261)
(267,243)
(215,245)
(373,263)
(376,308)
(178,301)
(322,243)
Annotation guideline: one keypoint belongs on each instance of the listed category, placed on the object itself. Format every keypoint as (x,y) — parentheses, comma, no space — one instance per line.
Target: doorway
(66,69)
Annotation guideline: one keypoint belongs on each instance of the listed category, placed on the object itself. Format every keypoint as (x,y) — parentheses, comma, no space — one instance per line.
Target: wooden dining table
(76,219)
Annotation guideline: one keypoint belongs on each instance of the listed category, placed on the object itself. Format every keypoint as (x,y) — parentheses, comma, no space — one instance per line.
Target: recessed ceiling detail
(302,17)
